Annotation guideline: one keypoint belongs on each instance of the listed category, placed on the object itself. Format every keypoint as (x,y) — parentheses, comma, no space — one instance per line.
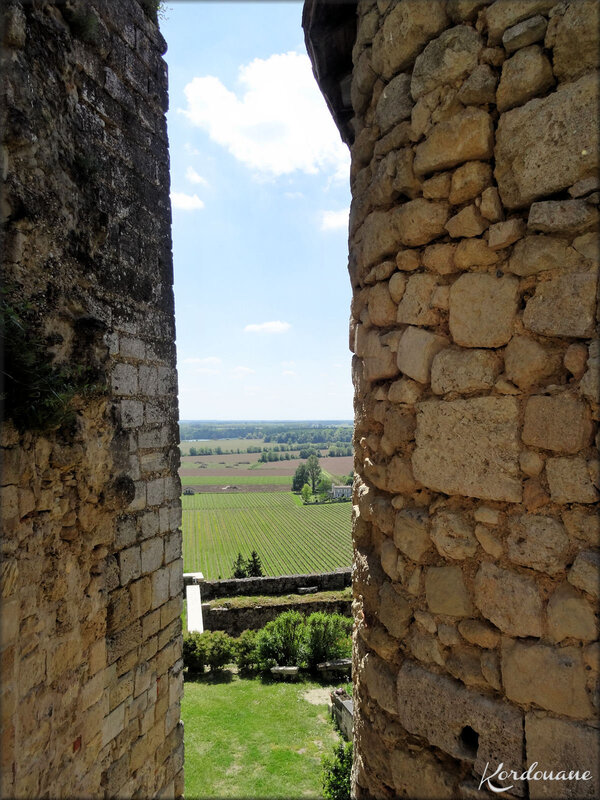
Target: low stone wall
(342,711)
(235,620)
(276,585)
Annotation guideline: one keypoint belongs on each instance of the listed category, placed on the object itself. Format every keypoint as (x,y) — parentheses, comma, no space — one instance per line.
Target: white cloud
(288,364)
(288,372)
(268,327)
(293,195)
(334,220)
(239,371)
(194,177)
(186,202)
(278,122)
(205,361)
(193,151)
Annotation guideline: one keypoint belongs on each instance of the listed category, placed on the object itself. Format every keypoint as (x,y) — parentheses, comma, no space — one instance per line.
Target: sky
(260,197)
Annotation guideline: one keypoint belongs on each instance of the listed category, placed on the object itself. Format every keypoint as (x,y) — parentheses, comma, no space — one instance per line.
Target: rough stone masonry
(91,549)
(474,251)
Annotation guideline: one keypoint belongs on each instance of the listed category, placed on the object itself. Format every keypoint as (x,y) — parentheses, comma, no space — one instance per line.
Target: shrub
(194,652)
(220,650)
(326,636)
(336,772)
(280,641)
(246,654)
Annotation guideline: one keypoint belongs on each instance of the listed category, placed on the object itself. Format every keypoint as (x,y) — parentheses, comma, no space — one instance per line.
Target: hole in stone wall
(469,741)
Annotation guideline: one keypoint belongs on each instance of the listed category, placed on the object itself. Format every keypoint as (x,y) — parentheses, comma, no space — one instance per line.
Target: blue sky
(259,189)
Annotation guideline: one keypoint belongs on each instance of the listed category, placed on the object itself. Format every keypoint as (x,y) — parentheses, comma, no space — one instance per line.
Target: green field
(288,538)
(239,480)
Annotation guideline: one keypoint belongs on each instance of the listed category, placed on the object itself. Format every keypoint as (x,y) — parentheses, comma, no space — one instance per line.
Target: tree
(324,484)
(254,566)
(240,568)
(306,493)
(300,478)
(314,471)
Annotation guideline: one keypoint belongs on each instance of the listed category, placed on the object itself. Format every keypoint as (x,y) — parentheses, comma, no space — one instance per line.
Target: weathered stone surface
(491,205)
(482,310)
(573,35)
(531,160)
(465,10)
(565,217)
(420,774)
(398,429)
(512,602)
(464,371)
(408,260)
(397,286)
(527,362)
(503,234)
(446,592)
(474,252)
(382,309)
(570,746)
(425,647)
(467,136)
(480,633)
(524,33)
(394,104)
(468,222)
(394,611)
(526,74)
(416,351)
(570,616)
(563,306)
(405,391)
(561,423)
(468,181)
(563,687)
(464,663)
(395,477)
(575,359)
(479,88)
(490,543)
(469,447)
(438,186)
(452,535)
(389,559)
(415,306)
(585,572)
(540,543)
(412,224)
(535,254)
(380,682)
(488,515)
(440,258)
(406,30)
(378,360)
(569,481)
(446,60)
(411,534)
(449,709)
(504,14)
(583,524)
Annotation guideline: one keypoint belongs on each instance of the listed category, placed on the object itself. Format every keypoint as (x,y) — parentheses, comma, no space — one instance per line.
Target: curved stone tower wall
(91,568)
(474,265)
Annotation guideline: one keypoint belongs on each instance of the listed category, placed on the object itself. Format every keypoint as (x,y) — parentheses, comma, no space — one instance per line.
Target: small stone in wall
(441,298)
(408,260)
(468,181)
(482,310)
(527,362)
(531,463)
(416,351)
(425,647)
(448,635)
(585,572)
(467,222)
(487,515)
(474,252)
(379,361)
(574,37)
(563,306)
(467,136)
(570,616)
(405,391)
(425,620)
(452,535)
(491,205)
(464,663)
(528,32)
(479,88)
(512,602)
(382,309)
(411,534)
(490,668)
(535,254)
(566,217)
(503,234)
(395,103)
(446,60)
(397,286)
(438,186)
(570,481)
(415,306)
(503,15)
(439,258)
(389,559)
(561,423)
(583,525)
(480,633)
(394,612)
(537,542)
(446,592)
(420,774)
(575,359)
(420,221)
(464,371)
(526,74)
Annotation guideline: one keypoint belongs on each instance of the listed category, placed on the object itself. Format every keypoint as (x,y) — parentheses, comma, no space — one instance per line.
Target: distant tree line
(321,433)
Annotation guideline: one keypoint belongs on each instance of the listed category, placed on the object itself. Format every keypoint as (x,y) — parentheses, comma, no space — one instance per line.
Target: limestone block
(570,616)
(490,516)
(389,559)
(469,447)
(490,669)
(452,707)
(482,310)
(468,181)
(394,104)
(420,221)
(491,205)
(527,362)
(420,774)
(524,33)
(416,351)
(452,535)
(406,30)
(441,298)
(480,633)
(415,306)
(437,187)
(398,427)
(504,14)
(474,252)
(563,688)
(394,612)
(380,683)
(563,306)
(465,10)
(405,391)
(525,75)
(560,744)
(446,592)
(535,254)
(479,88)
(569,481)
(503,234)
(540,543)
(448,635)
(468,222)
(446,60)
(382,309)
(425,647)
(440,258)
(425,621)
(575,359)
(566,217)
(408,260)
(466,136)
(512,602)
(411,534)
(531,161)
(583,524)
(464,663)
(573,35)
(561,423)
(395,477)
(464,371)
(397,286)
(378,360)
(130,564)
(585,572)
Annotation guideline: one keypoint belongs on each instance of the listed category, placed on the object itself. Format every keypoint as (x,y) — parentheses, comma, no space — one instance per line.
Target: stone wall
(236,620)
(91,550)
(273,584)
(474,265)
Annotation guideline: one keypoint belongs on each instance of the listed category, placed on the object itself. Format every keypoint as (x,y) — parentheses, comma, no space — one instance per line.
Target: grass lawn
(245,738)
